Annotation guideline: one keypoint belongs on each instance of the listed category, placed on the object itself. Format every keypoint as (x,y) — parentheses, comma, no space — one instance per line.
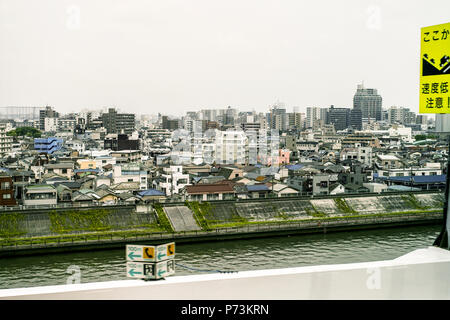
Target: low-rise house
(257,191)
(336,188)
(40,194)
(80,173)
(131,172)
(87,164)
(321,184)
(207,179)
(128,198)
(230,173)
(208,192)
(84,197)
(125,156)
(355,188)
(375,187)
(102,180)
(65,169)
(52,178)
(388,161)
(152,195)
(64,193)
(172,181)
(125,187)
(107,197)
(282,190)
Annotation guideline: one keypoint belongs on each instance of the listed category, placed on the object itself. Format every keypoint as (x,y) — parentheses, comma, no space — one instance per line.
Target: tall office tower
(369,102)
(230,115)
(170,124)
(443,124)
(48,112)
(401,115)
(421,119)
(356,119)
(115,122)
(295,120)
(277,118)
(312,115)
(340,117)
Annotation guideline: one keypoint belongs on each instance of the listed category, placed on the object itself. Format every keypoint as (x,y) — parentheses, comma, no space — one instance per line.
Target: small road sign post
(150,262)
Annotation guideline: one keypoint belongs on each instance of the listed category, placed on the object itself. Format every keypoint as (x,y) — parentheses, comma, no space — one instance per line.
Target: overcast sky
(172,56)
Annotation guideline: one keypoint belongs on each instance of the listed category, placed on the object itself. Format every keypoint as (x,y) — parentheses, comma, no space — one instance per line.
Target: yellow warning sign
(170,249)
(148,252)
(435,69)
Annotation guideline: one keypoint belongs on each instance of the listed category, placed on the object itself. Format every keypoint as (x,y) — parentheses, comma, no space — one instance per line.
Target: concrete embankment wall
(300,209)
(58,221)
(101,227)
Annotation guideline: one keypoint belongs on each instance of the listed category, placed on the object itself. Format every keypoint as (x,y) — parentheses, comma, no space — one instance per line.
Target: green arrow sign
(161,272)
(160,255)
(132,272)
(132,256)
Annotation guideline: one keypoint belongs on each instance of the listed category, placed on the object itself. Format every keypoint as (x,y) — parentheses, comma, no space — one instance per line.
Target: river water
(231,255)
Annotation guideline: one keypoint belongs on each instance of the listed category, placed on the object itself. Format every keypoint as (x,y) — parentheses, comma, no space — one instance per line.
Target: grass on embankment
(322,218)
(14,238)
(148,230)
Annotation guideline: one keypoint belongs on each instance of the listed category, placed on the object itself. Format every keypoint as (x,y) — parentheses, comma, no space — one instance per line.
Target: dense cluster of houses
(75,179)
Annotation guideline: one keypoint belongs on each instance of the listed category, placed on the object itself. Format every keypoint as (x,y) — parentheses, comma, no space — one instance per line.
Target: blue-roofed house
(258,191)
(152,195)
(427,182)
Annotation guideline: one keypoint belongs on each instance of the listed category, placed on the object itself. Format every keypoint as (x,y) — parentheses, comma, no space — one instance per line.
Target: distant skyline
(176,56)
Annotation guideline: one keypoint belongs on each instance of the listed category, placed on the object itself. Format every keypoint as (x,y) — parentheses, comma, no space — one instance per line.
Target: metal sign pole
(443,240)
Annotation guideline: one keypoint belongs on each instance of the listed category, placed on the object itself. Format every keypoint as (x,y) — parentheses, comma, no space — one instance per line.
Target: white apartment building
(130,172)
(362,154)
(66,124)
(5,141)
(51,124)
(104,160)
(430,169)
(231,147)
(172,180)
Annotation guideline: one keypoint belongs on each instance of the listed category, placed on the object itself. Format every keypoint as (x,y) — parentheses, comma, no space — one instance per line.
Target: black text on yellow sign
(170,249)
(148,252)
(435,69)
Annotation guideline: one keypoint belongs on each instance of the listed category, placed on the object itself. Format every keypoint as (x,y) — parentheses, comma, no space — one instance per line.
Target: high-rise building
(421,119)
(443,124)
(340,117)
(170,124)
(48,112)
(356,119)
(115,122)
(295,120)
(5,141)
(369,102)
(312,115)
(401,115)
(277,118)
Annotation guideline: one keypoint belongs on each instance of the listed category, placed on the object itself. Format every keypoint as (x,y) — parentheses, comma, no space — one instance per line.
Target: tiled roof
(210,188)
(150,192)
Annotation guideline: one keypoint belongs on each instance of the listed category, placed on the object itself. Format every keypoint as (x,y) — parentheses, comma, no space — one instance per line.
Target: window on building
(7,196)
(5,185)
